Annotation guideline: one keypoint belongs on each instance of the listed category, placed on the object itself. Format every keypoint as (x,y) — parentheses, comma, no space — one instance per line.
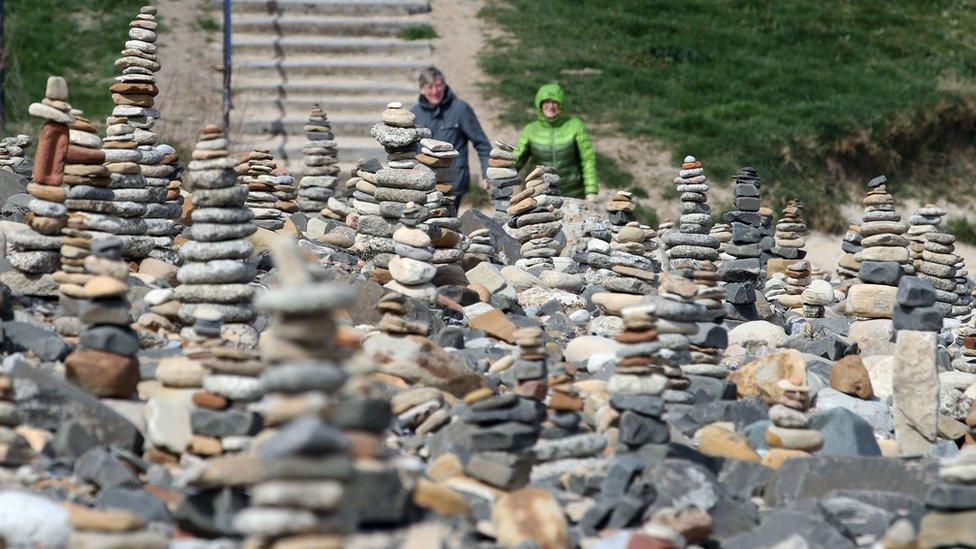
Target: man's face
(434,91)
(550,109)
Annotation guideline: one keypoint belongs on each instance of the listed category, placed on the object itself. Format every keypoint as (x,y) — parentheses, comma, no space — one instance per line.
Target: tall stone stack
(723,233)
(105,363)
(255,174)
(321,174)
(797,280)
(742,272)
(917,322)
(637,384)
(170,168)
(934,259)
(217,269)
(884,257)
(442,222)
(502,178)
(923,221)
(847,265)
(13,154)
(412,267)
(691,246)
(708,343)
(303,357)
(789,239)
(285,191)
(790,434)
(382,194)
(951,503)
(679,316)
(536,221)
(131,156)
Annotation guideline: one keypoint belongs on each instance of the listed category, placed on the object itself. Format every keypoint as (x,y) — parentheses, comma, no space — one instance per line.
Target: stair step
(304,88)
(256,46)
(331,7)
(287,150)
(353,125)
(322,26)
(298,108)
(326,67)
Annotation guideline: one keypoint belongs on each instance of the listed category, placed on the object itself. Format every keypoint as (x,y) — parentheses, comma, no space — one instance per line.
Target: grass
(963,229)
(208,24)
(819,95)
(77,39)
(418,32)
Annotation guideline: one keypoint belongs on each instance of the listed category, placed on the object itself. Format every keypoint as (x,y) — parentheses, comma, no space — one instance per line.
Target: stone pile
(480,247)
(790,434)
(923,221)
(934,259)
(951,503)
(321,174)
(382,194)
(34,250)
(965,361)
(443,222)
(638,384)
(678,316)
(847,265)
(105,363)
(13,154)
(256,175)
(393,308)
(502,430)
(915,404)
(741,273)
(884,257)
(691,246)
(14,449)
(502,178)
(412,267)
(217,270)
(139,183)
(624,253)
(536,221)
(816,298)
(789,239)
(797,280)
(723,233)
(285,191)
(170,168)
(708,343)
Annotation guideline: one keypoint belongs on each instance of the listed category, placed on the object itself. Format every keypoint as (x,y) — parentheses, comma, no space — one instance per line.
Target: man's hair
(429,74)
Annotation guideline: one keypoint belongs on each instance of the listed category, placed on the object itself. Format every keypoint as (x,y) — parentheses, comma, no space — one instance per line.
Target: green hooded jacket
(561,143)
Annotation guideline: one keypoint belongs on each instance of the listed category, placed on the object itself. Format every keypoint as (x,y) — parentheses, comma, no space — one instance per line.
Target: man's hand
(591,197)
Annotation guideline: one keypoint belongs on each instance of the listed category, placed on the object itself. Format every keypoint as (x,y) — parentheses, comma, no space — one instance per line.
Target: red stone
(50,155)
(84,155)
(103,374)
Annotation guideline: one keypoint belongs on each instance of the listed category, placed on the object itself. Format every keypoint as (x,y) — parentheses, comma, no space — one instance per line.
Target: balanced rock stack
(723,233)
(217,269)
(708,343)
(255,174)
(691,246)
(105,363)
(285,191)
(847,265)
(14,449)
(797,280)
(635,272)
(637,384)
(789,239)
(742,272)
(169,168)
(382,194)
(536,221)
(34,251)
(13,154)
(679,315)
(816,298)
(321,174)
(442,221)
(917,322)
(884,257)
(411,268)
(303,358)
(923,221)
(935,260)
(139,185)
(790,434)
(502,177)
(951,503)
(480,246)
(393,307)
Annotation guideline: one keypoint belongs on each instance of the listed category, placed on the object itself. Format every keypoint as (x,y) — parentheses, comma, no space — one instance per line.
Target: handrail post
(227,65)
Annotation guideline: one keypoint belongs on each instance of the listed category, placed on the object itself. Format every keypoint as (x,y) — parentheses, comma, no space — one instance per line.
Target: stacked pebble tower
(480,246)
(847,265)
(411,268)
(935,260)
(536,221)
(443,223)
(255,174)
(742,272)
(170,165)
(13,154)
(790,429)
(797,280)
(637,384)
(789,239)
(217,270)
(321,174)
(678,314)
(34,250)
(723,233)
(502,177)
(692,246)
(393,307)
(708,344)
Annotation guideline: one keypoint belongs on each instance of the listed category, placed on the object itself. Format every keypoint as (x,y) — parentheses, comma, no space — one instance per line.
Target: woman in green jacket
(560,141)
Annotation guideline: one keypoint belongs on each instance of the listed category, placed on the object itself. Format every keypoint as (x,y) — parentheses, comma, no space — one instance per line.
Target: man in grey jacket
(451,119)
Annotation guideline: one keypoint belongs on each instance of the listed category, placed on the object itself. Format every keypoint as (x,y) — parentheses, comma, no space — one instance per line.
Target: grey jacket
(454,121)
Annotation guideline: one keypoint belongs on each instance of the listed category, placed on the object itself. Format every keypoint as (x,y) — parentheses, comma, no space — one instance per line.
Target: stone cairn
(256,175)
(480,247)
(951,503)
(790,434)
(393,308)
(34,251)
(691,245)
(105,363)
(411,268)
(884,257)
(13,154)
(285,191)
(536,221)
(14,449)
(84,161)
(382,194)
(816,298)
(742,272)
(139,184)
(502,177)
(965,361)
(504,428)
(171,169)
(723,233)
(216,269)
(678,316)
(443,223)
(321,174)
(303,360)
(708,344)
(797,280)
(789,238)
(934,259)
(847,265)
(917,322)
(637,384)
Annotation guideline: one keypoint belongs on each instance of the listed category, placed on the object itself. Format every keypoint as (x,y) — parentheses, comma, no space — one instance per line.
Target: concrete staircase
(343,54)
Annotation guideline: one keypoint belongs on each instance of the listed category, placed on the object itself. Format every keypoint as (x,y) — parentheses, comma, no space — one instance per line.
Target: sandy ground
(190,81)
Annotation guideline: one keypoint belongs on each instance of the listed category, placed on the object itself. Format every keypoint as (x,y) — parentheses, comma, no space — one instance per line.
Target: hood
(550,92)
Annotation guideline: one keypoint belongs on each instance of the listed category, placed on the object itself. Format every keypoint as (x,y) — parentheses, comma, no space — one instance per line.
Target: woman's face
(550,109)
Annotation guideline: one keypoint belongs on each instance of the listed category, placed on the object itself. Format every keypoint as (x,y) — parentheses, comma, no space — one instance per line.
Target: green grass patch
(611,174)
(418,32)
(208,24)
(77,39)
(819,95)
(963,229)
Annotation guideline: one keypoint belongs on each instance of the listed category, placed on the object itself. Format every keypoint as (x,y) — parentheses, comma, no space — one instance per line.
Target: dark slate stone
(708,389)
(71,440)
(104,470)
(210,513)
(637,429)
(363,414)
(504,436)
(845,433)
(378,496)
(951,497)
(915,292)
(816,476)
(45,344)
(15,206)
(888,273)
(924,319)
(120,340)
(737,293)
(681,483)
(801,527)
(308,436)
(137,500)
(646,405)
(224,423)
(508,248)
(741,412)
(743,479)
(894,503)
